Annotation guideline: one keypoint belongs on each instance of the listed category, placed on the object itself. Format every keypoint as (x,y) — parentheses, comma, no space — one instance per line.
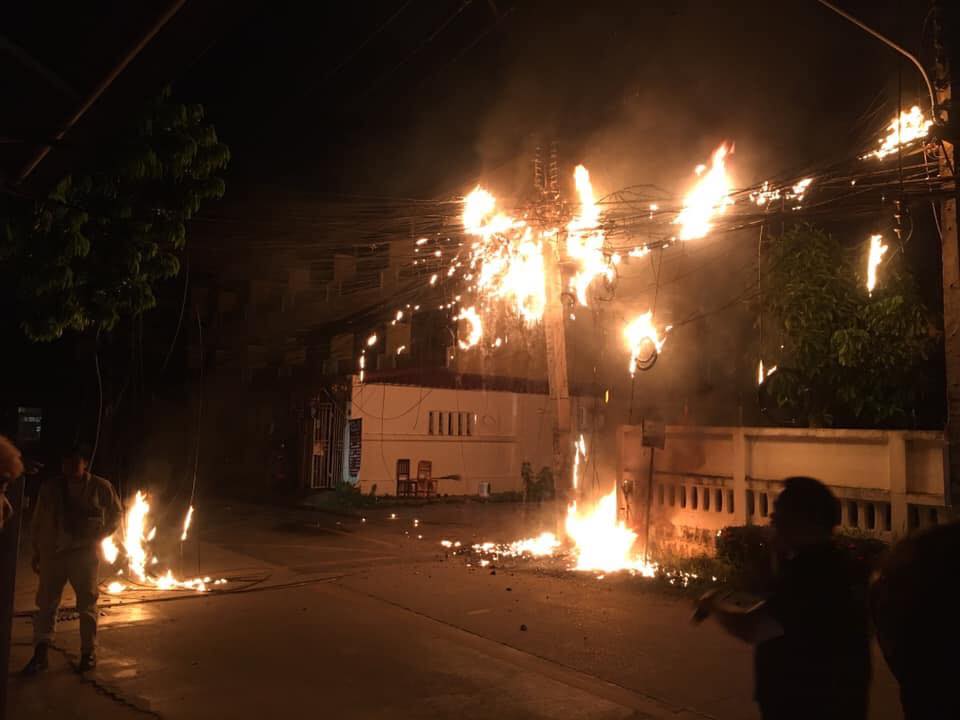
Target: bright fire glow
(912,125)
(709,197)
(135,539)
(585,239)
(768,193)
(639,333)
(877,251)
(476,327)
(602,543)
(186,523)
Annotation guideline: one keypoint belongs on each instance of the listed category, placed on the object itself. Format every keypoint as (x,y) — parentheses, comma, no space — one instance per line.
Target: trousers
(81,568)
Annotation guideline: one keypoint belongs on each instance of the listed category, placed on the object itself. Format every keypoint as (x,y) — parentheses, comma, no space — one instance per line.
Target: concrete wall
(707,478)
(506,429)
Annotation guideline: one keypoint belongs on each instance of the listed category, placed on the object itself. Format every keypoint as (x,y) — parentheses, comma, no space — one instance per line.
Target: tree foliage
(848,356)
(95,248)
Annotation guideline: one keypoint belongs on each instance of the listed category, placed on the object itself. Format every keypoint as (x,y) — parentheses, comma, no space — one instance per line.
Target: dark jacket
(62,523)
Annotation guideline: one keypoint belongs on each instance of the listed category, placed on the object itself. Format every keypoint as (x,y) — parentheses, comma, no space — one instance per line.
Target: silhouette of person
(812,650)
(914,605)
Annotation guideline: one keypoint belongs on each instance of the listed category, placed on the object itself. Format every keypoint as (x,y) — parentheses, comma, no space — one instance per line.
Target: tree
(95,248)
(848,356)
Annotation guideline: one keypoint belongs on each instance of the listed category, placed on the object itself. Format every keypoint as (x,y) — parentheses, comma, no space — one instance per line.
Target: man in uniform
(74,513)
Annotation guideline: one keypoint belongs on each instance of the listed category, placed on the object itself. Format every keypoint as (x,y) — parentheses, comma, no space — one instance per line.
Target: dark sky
(422,98)
(446,92)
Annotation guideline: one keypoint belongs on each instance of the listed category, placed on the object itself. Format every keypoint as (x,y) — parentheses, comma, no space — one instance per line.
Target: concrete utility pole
(547,182)
(950,254)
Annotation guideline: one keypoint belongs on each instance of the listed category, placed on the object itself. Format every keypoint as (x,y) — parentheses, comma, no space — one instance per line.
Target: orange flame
(709,197)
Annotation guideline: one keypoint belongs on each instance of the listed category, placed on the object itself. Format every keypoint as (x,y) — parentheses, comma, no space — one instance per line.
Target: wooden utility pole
(950,254)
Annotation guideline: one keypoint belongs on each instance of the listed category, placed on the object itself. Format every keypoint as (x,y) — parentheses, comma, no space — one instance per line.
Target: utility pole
(547,182)
(950,254)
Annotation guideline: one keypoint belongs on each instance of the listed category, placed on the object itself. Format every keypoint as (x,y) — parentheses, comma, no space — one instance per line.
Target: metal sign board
(654,434)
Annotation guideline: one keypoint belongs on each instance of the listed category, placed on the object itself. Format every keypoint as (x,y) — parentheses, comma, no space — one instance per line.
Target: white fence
(708,478)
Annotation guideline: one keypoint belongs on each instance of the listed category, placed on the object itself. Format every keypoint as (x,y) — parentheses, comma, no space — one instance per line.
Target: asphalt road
(374,619)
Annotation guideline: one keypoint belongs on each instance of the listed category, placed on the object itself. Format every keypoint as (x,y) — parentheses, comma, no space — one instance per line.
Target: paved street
(328,614)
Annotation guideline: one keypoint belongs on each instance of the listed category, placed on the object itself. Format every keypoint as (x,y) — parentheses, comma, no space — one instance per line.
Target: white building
(415,439)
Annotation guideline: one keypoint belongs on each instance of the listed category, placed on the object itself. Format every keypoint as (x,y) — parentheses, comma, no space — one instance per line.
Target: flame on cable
(135,540)
(709,197)
(186,523)
(911,125)
(585,239)
(877,251)
(639,332)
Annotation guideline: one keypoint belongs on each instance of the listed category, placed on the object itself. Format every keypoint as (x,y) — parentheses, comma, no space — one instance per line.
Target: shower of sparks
(640,335)
(768,193)
(910,126)
(877,251)
(709,197)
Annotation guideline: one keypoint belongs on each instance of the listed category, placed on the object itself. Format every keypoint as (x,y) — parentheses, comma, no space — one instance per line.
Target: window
(660,493)
(763,505)
(730,501)
(454,422)
(683,496)
(718,500)
(673,495)
(853,513)
(694,497)
(751,504)
(871,516)
(706,498)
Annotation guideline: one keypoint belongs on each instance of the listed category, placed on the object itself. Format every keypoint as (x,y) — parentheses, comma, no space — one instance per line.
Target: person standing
(74,513)
(914,604)
(11,467)
(811,637)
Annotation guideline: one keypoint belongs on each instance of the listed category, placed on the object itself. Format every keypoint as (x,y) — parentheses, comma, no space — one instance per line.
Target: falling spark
(710,196)
(639,251)
(912,125)
(401,349)
(446,543)
(579,455)
(363,365)
(115,588)
(421,241)
(186,523)
(877,251)
(399,316)
(764,374)
(372,340)
(476,327)
(639,333)
(433,279)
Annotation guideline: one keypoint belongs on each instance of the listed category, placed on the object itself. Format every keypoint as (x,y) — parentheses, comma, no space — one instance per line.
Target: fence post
(897,478)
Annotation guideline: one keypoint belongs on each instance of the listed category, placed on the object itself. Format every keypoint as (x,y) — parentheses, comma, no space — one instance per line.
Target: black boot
(38,663)
(88,661)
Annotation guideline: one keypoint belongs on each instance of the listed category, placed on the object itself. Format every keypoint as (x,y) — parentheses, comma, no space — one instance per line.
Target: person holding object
(812,651)
(74,514)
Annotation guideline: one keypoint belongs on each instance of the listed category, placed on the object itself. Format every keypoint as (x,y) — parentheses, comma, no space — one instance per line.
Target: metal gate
(325,446)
